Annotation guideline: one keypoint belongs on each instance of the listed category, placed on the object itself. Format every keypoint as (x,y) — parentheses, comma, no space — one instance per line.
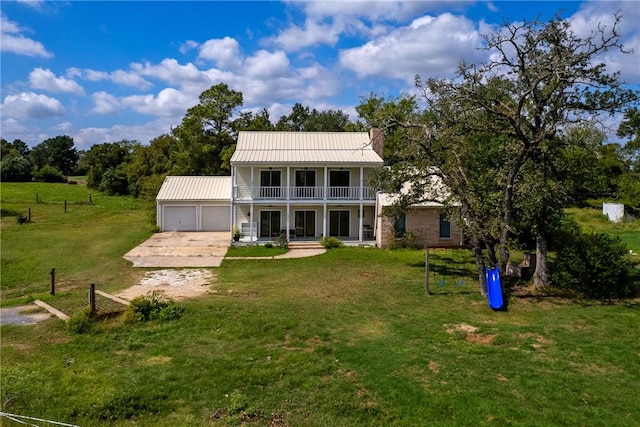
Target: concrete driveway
(176,249)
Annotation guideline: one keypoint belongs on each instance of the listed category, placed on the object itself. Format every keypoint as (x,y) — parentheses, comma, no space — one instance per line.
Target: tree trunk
(541,276)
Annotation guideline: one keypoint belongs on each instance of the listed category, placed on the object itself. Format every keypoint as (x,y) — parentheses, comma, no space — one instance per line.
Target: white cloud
(14,42)
(29,105)
(142,133)
(225,53)
(168,103)
(188,45)
(170,71)
(104,103)
(267,65)
(592,14)
(45,79)
(64,126)
(125,78)
(36,4)
(429,46)
(312,33)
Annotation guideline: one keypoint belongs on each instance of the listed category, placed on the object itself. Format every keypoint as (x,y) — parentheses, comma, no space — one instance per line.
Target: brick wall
(424,223)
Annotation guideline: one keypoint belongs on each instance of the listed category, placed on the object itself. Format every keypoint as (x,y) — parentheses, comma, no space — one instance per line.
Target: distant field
(85,244)
(593,220)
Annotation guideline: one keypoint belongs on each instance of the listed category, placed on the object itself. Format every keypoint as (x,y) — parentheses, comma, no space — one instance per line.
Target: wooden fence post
(92,298)
(52,290)
(426,270)
(65,206)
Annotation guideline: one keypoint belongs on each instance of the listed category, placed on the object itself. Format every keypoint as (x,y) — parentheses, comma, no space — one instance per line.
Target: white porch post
(234,218)
(361,211)
(324,205)
(251,219)
(288,224)
(251,230)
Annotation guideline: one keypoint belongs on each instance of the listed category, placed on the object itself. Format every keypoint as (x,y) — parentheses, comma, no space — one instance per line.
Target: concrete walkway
(293,253)
(175,249)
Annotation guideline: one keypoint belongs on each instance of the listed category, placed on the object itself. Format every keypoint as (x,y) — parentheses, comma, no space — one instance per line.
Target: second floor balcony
(303,193)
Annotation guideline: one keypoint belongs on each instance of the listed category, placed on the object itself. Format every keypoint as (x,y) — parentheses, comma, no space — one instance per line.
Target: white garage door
(216,218)
(179,218)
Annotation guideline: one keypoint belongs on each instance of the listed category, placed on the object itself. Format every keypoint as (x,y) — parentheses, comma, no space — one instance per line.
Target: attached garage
(194,203)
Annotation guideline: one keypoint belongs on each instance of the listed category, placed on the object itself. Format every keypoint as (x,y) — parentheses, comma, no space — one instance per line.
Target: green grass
(255,251)
(85,244)
(341,339)
(591,219)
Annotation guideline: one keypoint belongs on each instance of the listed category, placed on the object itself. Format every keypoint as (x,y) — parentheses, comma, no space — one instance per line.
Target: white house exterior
(304,184)
(194,203)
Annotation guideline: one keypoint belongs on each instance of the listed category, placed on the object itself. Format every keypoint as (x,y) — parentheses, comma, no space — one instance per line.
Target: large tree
(58,152)
(206,133)
(541,78)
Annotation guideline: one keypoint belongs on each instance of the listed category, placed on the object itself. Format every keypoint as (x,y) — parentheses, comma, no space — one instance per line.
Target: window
(305,184)
(270,181)
(400,226)
(339,184)
(339,223)
(445,227)
(269,223)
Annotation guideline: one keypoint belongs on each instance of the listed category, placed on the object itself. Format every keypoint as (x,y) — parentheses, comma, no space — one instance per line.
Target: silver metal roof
(195,188)
(305,148)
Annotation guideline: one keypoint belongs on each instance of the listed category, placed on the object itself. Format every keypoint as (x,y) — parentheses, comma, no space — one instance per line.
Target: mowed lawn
(342,339)
(85,244)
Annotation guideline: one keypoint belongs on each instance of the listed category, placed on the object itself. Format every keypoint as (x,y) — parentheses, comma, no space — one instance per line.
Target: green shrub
(154,306)
(80,323)
(593,265)
(281,241)
(406,240)
(49,173)
(331,242)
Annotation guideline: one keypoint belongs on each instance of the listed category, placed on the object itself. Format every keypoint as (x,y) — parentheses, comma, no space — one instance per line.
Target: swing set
(447,267)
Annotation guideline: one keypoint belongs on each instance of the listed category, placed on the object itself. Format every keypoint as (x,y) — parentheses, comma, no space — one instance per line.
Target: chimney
(377,141)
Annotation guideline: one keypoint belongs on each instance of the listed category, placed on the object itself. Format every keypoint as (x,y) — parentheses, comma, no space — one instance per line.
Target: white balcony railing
(303,193)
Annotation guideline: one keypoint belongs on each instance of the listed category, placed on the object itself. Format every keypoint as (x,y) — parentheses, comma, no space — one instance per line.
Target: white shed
(613,211)
(194,203)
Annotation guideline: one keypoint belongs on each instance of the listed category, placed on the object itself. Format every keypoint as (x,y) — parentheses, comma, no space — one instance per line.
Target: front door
(305,223)
(339,223)
(269,223)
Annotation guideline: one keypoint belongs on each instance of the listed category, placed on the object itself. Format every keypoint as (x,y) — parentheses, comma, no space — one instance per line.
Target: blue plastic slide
(494,288)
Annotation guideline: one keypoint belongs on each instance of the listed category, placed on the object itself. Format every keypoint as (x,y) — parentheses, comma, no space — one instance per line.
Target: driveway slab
(177,249)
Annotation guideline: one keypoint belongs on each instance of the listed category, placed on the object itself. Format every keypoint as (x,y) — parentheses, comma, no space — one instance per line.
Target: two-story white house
(305,185)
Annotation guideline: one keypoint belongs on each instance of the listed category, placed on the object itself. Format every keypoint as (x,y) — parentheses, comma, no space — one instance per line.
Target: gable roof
(195,188)
(305,148)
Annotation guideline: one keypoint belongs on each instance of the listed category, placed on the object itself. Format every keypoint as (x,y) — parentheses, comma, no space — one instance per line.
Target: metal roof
(305,148)
(195,188)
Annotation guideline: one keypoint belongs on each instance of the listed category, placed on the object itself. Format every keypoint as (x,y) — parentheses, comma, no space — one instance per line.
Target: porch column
(251,189)
(324,219)
(360,222)
(361,211)
(324,205)
(251,218)
(288,224)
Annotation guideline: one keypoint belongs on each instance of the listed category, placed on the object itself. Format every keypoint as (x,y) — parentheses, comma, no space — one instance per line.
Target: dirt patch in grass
(176,284)
(471,334)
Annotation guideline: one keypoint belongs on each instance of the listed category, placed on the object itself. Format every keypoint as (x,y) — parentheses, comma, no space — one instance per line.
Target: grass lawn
(341,339)
(593,220)
(85,244)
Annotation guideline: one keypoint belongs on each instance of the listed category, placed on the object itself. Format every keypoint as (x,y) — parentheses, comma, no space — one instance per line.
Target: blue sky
(106,71)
